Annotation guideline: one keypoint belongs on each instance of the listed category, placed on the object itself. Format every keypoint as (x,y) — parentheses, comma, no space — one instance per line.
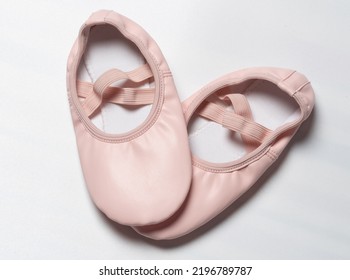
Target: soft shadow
(126,231)
(307,128)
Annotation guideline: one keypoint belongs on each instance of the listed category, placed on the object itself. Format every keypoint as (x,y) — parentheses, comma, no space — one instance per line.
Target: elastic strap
(241,107)
(101,90)
(241,120)
(118,95)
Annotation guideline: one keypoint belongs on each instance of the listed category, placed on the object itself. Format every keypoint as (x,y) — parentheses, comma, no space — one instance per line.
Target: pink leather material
(216,186)
(143,176)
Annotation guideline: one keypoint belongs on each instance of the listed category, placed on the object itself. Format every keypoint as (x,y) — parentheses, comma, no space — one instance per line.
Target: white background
(299,210)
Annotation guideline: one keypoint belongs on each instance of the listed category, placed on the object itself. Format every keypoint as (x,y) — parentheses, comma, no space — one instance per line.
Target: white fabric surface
(299,210)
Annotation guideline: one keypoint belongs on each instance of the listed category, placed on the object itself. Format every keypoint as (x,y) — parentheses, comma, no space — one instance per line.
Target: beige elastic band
(240,121)
(101,90)
(118,95)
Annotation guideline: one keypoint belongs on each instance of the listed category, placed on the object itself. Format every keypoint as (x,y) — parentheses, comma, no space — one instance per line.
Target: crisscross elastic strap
(101,90)
(241,107)
(240,120)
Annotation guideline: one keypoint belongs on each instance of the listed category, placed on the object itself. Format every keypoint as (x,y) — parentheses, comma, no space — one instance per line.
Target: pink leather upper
(216,186)
(143,176)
